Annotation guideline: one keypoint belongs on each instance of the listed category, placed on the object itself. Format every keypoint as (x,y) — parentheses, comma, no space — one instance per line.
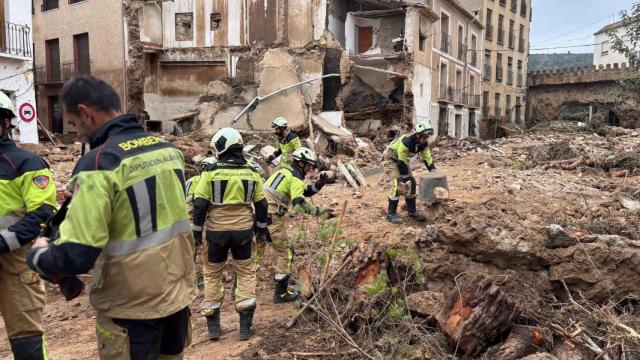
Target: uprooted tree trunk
(522,341)
(476,315)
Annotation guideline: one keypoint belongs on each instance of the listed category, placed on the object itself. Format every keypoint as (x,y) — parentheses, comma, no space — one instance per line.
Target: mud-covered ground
(502,199)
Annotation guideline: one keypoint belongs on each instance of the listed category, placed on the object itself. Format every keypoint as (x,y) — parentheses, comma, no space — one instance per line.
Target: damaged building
(209,64)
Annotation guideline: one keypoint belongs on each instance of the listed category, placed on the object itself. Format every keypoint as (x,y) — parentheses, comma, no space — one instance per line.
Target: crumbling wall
(135,59)
(274,69)
(545,102)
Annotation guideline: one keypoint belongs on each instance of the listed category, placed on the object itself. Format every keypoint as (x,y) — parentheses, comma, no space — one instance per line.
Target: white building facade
(603,54)
(16,64)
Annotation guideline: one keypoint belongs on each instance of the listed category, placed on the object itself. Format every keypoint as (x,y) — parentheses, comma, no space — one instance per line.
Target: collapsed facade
(375,60)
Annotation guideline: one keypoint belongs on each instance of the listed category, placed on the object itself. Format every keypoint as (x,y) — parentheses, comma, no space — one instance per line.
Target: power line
(578,29)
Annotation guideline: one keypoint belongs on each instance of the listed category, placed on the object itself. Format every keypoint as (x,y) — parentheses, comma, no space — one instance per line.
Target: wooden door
(365,39)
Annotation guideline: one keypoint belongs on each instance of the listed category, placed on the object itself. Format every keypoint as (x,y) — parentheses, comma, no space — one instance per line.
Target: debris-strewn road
(528,226)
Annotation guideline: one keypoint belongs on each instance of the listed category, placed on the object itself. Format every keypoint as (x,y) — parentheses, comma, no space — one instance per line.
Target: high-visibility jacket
(224,195)
(287,146)
(405,147)
(286,188)
(128,221)
(27,196)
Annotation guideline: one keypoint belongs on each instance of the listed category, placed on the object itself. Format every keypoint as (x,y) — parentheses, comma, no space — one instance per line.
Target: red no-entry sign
(27,112)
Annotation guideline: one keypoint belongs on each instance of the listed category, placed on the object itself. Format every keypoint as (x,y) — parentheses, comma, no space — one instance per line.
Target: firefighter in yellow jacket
(223,203)
(288,142)
(128,222)
(286,189)
(27,199)
(398,168)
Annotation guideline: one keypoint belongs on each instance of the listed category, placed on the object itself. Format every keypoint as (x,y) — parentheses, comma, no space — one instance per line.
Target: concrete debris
(630,204)
(329,128)
(357,174)
(347,175)
(429,183)
(557,237)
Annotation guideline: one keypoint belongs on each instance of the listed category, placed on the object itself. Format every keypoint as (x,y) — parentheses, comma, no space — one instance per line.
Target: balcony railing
(500,36)
(520,80)
(488,32)
(509,77)
(497,112)
(518,114)
(445,93)
(507,114)
(523,9)
(485,112)
(474,58)
(512,41)
(445,41)
(521,45)
(462,50)
(15,39)
(514,5)
(473,101)
(458,97)
(487,71)
(59,74)
(499,73)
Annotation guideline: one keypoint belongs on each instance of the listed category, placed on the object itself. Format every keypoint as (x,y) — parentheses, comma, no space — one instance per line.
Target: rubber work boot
(213,325)
(282,293)
(392,212)
(413,213)
(28,348)
(246,323)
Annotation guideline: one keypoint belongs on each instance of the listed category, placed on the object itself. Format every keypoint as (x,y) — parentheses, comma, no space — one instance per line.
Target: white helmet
(7,104)
(423,127)
(306,155)
(280,122)
(224,139)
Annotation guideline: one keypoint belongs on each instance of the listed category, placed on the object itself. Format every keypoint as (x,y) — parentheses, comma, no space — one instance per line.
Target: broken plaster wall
(135,62)
(275,69)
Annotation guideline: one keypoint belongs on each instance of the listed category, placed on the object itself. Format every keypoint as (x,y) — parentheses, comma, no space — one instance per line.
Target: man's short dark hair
(91,92)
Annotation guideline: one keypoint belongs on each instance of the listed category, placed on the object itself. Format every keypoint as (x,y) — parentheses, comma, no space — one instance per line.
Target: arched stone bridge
(552,91)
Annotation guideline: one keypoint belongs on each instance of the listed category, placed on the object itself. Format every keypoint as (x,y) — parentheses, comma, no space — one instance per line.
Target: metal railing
(500,36)
(520,80)
(60,73)
(512,40)
(521,45)
(507,114)
(497,111)
(509,77)
(462,50)
(474,58)
(485,111)
(15,39)
(445,93)
(514,5)
(445,41)
(499,73)
(488,32)
(473,101)
(458,97)
(487,71)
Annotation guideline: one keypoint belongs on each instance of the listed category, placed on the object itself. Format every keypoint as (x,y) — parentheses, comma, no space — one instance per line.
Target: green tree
(628,43)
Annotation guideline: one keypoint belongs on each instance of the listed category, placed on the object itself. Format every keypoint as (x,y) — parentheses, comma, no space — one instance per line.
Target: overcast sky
(561,23)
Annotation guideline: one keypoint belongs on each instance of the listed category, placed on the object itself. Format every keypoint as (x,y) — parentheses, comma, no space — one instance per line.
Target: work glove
(262,236)
(329,213)
(322,181)
(270,159)
(197,236)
